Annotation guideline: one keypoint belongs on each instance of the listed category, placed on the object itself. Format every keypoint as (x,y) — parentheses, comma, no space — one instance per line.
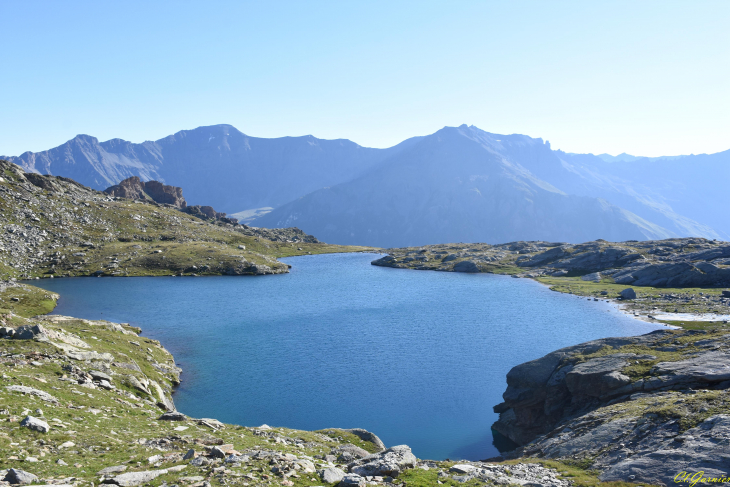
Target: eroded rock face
(135,189)
(637,408)
(207,213)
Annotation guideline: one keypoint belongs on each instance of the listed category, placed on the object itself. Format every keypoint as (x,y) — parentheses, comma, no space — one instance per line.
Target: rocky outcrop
(678,262)
(208,213)
(135,189)
(635,408)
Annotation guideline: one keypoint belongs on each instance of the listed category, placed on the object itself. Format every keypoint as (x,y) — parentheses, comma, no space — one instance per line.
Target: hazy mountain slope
(618,183)
(452,186)
(217,165)
(686,194)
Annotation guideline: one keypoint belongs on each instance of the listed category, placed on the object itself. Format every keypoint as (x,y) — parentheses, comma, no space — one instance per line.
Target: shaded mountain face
(458,185)
(217,164)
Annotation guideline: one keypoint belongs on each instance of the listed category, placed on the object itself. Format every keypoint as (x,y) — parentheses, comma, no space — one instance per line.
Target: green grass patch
(31,301)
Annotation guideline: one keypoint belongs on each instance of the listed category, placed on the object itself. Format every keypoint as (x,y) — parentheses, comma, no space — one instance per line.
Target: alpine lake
(419,358)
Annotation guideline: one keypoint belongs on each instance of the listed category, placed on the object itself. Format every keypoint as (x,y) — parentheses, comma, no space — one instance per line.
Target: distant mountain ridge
(460,183)
(218,165)
(457,185)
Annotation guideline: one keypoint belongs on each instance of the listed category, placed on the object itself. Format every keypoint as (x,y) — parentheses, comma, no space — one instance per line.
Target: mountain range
(460,184)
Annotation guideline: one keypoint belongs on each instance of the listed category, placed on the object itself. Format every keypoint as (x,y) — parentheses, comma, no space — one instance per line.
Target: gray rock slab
(16,476)
(132,479)
(702,448)
(35,424)
(331,475)
(112,470)
(34,392)
(390,462)
(708,367)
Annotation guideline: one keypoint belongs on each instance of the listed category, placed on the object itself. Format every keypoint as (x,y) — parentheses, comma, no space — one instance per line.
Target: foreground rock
(35,424)
(389,463)
(638,408)
(17,476)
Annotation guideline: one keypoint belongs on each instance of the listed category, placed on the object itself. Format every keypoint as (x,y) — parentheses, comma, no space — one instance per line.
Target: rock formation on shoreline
(637,408)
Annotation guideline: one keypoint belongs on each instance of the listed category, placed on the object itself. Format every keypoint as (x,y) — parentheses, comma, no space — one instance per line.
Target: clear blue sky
(646,77)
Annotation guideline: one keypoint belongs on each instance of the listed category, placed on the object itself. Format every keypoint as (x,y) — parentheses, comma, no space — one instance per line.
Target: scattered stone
(200,462)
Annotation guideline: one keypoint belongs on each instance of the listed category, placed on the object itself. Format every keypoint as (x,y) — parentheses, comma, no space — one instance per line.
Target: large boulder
(133,479)
(331,475)
(390,462)
(601,377)
(366,435)
(628,293)
(16,476)
(35,424)
(540,392)
(466,266)
(29,332)
(709,367)
(173,416)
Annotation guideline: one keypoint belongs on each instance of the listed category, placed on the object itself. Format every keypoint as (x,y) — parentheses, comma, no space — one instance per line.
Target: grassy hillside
(56,227)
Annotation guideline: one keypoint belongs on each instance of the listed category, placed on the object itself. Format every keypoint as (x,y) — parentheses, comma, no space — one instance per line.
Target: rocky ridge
(86,402)
(669,276)
(53,226)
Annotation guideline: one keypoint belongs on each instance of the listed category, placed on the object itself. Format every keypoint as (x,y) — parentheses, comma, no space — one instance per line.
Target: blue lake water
(417,357)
